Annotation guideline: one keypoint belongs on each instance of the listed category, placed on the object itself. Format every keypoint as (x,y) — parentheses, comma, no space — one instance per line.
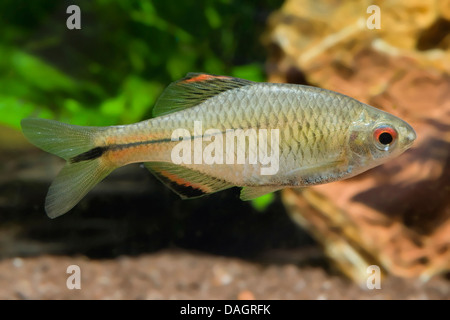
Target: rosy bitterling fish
(210,133)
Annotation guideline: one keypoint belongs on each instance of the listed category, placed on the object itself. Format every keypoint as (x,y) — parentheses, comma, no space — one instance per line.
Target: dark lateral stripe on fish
(136,144)
(89,155)
(140,143)
(97,152)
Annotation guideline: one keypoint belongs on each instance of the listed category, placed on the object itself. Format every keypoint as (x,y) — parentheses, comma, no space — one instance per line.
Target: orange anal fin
(187,183)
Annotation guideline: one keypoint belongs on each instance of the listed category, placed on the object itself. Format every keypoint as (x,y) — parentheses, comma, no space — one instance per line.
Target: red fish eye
(385,135)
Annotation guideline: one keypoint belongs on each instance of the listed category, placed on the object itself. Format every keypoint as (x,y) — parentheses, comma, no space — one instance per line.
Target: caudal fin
(85,166)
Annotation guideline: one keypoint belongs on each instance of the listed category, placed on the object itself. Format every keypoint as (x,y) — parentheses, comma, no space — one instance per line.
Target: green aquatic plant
(112,70)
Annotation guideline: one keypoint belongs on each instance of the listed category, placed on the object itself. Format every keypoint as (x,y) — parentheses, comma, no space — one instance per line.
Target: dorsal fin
(193,90)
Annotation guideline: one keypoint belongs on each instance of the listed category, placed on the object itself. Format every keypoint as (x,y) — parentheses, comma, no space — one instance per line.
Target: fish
(209,133)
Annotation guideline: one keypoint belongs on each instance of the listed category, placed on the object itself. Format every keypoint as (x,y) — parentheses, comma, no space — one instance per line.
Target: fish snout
(410,136)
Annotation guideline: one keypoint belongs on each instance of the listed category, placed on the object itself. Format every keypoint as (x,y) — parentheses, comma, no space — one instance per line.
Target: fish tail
(85,165)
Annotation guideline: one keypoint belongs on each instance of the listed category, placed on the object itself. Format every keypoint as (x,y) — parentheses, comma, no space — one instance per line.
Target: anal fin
(185,182)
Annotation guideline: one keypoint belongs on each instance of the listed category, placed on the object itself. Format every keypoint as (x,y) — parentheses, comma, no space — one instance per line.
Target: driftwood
(396,216)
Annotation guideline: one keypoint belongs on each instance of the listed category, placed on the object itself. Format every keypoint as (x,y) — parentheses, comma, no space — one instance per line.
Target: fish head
(377,136)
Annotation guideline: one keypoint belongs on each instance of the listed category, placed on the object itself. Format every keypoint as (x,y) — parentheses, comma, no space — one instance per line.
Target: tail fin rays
(61,139)
(73,182)
(77,178)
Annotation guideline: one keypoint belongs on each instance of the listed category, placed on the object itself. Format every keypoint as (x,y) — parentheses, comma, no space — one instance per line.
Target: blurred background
(112,70)
(134,239)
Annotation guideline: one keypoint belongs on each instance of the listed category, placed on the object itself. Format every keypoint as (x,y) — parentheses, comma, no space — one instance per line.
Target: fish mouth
(410,136)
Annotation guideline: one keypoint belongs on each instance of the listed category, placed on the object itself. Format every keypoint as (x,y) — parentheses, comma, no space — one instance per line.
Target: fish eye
(385,136)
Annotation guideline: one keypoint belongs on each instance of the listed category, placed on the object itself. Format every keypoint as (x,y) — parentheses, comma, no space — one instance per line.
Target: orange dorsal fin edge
(194,89)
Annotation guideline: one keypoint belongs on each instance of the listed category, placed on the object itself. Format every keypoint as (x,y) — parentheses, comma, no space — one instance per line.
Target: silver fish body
(312,135)
(322,133)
